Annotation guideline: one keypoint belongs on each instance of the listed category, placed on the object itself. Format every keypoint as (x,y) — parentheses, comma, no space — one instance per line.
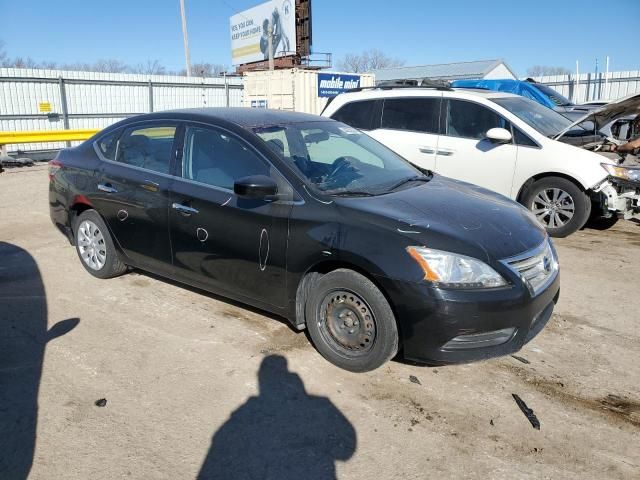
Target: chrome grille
(537,268)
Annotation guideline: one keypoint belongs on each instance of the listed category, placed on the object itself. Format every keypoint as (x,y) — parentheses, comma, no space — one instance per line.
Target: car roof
(423,92)
(243,117)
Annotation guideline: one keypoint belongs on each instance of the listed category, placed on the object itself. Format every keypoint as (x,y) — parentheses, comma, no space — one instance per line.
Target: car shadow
(282,433)
(219,298)
(23,339)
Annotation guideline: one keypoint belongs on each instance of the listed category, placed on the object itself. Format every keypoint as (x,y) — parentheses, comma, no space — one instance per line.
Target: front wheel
(350,321)
(95,247)
(558,204)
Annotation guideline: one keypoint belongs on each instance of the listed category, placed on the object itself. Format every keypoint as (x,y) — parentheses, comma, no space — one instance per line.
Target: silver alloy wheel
(91,245)
(553,207)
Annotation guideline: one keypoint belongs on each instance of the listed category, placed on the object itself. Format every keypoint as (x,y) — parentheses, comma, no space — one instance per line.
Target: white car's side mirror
(499,135)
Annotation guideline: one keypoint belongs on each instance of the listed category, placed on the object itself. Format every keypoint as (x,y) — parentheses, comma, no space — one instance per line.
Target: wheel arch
(325,266)
(79,206)
(540,176)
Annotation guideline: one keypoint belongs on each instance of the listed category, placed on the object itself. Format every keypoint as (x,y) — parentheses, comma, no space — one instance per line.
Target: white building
(480,69)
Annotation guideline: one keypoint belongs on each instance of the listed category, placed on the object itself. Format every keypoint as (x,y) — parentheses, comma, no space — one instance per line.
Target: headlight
(625,173)
(449,270)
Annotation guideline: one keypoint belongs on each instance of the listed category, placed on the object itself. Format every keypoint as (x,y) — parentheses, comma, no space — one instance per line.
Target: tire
(559,204)
(350,321)
(95,247)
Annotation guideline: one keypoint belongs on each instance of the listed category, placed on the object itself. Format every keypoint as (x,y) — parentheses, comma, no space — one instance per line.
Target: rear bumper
(446,327)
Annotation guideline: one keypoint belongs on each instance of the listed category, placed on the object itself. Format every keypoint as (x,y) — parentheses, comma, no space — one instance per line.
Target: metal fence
(32,99)
(591,86)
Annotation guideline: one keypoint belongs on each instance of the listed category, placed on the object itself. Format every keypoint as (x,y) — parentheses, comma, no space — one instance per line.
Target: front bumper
(620,197)
(447,326)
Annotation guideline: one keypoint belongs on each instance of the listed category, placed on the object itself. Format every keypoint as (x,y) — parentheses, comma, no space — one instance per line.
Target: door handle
(184,209)
(150,186)
(107,188)
(427,149)
(445,152)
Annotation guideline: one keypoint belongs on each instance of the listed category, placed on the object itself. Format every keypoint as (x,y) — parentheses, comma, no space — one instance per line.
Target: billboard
(249,40)
(331,84)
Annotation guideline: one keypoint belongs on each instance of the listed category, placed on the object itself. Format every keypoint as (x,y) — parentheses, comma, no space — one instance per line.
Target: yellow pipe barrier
(40,136)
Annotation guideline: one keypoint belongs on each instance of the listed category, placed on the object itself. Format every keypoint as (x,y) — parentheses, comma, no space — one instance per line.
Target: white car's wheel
(558,204)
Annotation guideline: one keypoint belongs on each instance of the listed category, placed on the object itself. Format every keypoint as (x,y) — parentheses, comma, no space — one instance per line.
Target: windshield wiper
(351,193)
(417,178)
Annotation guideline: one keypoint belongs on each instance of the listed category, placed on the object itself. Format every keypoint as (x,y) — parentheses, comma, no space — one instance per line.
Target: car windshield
(559,100)
(340,160)
(548,122)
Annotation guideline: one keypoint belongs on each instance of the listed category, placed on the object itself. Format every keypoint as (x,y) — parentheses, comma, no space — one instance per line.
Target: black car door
(133,193)
(221,241)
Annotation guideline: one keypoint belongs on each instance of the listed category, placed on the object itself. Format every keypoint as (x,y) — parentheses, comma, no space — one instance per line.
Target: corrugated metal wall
(594,87)
(96,100)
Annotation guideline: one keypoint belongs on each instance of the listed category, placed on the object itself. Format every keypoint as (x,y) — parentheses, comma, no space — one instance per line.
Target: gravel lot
(180,368)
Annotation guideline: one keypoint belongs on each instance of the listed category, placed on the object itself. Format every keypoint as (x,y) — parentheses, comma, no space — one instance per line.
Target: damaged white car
(508,144)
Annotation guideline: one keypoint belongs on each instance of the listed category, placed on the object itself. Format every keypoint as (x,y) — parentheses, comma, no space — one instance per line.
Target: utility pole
(185,36)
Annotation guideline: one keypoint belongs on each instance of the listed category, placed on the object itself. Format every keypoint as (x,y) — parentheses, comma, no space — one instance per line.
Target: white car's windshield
(548,122)
(338,159)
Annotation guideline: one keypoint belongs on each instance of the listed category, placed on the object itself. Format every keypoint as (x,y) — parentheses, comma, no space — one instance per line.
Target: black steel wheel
(350,321)
(347,322)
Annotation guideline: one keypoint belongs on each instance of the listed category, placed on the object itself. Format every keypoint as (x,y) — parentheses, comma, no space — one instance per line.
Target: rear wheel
(558,204)
(350,321)
(95,247)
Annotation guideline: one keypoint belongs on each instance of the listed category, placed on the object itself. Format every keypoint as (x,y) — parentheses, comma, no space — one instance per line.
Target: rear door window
(412,114)
(107,144)
(147,147)
(364,115)
(472,120)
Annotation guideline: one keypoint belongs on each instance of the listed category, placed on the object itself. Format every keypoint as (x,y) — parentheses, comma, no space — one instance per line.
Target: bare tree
(4,58)
(367,61)
(110,65)
(542,70)
(20,62)
(205,69)
(150,67)
(48,65)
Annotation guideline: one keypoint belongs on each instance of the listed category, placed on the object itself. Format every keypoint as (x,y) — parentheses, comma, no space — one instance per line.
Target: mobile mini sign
(331,84)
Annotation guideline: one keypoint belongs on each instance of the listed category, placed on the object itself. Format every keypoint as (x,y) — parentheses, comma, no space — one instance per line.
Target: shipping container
(297,89)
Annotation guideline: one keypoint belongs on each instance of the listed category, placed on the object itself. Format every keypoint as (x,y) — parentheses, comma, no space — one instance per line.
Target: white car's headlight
(450,270)
(632,174)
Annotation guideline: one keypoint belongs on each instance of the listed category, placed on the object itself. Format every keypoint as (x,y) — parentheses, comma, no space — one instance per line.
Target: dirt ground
(179,367)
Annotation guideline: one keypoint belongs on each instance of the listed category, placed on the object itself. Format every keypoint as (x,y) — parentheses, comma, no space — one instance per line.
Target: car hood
(607,113)
(455,216)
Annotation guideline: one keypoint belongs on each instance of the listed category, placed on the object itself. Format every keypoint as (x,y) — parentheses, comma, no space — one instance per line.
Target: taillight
(54,166)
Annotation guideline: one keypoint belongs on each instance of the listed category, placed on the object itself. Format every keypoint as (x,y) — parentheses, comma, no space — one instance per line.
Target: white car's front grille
(537,267)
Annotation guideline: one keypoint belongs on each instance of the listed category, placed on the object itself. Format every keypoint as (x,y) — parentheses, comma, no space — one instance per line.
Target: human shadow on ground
(23,339)
(283,433)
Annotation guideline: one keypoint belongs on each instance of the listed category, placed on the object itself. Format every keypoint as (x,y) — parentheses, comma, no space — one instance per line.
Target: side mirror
(255,186)
(499,135)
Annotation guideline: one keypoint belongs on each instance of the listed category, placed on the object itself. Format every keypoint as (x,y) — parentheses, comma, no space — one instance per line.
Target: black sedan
(310,219)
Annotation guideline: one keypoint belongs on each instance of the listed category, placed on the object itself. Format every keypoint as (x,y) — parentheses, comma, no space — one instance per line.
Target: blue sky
(420,32)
